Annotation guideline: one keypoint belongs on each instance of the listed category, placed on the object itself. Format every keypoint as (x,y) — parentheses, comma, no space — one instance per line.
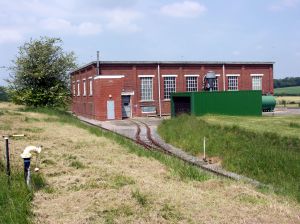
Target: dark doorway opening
(182,105)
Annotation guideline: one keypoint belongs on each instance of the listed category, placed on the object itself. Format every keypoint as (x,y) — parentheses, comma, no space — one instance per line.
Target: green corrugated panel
(227,102)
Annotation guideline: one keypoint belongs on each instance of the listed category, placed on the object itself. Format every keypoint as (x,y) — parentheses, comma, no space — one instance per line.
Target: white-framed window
(233,83)
(74,88)
(84,87)
(146,88)
(169,86)
(78,88)
(256,81)
(191,83)
(91,86)
(215,85)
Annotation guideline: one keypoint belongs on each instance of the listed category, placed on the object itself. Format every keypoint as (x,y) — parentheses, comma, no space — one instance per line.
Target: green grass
(141,198)
(15,197)
(177,167)
(281,125)
(265,156)
(287,91)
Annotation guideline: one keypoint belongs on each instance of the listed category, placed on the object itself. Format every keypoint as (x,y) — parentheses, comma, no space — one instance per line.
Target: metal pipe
(7,156)
(98,69)
(223,77)
(158,81)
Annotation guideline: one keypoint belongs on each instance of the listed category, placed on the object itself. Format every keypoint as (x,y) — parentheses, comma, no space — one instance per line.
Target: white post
(158,80)
(204,157)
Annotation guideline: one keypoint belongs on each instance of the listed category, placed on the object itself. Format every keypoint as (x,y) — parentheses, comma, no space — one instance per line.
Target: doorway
(110,110)
(126,106)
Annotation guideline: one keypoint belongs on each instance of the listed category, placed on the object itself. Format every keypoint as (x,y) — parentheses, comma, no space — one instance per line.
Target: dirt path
(94,180)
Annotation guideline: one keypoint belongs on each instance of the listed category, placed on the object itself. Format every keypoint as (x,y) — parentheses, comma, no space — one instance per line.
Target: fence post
(7,156)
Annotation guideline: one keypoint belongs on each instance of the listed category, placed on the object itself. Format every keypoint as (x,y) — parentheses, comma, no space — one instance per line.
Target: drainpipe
(158,81)
(223,77)
(98,69)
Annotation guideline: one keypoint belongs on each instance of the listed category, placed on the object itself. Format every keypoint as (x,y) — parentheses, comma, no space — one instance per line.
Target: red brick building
(120,89)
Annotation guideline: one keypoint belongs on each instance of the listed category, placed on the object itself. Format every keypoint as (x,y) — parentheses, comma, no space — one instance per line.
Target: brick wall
(95,106)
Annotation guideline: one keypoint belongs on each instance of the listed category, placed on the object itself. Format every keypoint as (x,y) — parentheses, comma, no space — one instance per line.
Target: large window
(84,87)
(232,82)
(256,82)
(78,88)
(146,88)
(215,85)
(169,86)
(74,88)
(91,86)
(191,83)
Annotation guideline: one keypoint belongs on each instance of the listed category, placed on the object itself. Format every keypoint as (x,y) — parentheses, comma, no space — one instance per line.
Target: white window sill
(149,112)
(166,100)
(145,101)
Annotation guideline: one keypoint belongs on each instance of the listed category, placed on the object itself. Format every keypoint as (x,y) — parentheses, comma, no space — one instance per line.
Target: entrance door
(126,107)
(110,110)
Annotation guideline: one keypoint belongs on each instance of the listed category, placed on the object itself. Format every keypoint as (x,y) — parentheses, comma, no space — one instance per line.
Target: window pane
(91,87)
(169,86)
(215,85)
(84,87)
(256,82)
(192,84)
(146,88)
(232,83)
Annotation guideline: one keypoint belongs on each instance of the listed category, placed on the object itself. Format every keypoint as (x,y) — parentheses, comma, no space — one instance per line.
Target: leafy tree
(40,73)
(3,94)
(287,82)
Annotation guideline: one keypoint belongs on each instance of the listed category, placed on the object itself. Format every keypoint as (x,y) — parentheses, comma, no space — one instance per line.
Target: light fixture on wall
(110,96)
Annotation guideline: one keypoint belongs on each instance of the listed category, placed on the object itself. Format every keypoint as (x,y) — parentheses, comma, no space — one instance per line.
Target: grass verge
(15,197)
(264,156)
(179,168)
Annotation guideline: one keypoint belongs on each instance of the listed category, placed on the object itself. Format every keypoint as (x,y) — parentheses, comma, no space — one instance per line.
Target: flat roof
(175,62)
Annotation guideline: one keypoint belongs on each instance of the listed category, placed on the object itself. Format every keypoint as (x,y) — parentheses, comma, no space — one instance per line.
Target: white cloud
(65,26)
(183,9)
(10,35)
(283,4)
(123,19)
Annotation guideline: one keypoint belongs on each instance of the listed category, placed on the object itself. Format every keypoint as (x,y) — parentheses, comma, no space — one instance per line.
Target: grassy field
(282,125)
(287,101)
(286,91)
(254,147)
(97,177)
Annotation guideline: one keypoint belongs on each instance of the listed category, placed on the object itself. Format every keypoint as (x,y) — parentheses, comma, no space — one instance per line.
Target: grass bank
(15,197)
(264,156)
(176,166)
(287,91)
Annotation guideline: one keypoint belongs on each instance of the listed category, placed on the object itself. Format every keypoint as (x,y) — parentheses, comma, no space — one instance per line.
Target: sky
(198,30)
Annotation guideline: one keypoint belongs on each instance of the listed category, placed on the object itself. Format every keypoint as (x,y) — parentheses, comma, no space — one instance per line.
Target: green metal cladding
(248,103)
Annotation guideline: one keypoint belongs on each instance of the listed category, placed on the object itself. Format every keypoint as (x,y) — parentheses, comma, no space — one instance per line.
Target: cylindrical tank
(268,103)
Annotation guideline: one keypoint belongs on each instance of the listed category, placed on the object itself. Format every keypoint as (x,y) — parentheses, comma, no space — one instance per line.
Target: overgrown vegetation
(15,197)
(40,73)
(176,166)
(3,94)
(286,82)
(265,156)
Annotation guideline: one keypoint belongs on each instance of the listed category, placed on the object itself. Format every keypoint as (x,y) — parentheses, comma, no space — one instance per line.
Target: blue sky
(206,30)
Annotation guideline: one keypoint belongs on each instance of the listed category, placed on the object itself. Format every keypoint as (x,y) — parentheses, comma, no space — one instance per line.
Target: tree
(3,94)
(40,73)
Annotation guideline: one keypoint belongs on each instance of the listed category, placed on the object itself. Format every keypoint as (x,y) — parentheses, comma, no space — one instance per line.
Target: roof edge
(175,62)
